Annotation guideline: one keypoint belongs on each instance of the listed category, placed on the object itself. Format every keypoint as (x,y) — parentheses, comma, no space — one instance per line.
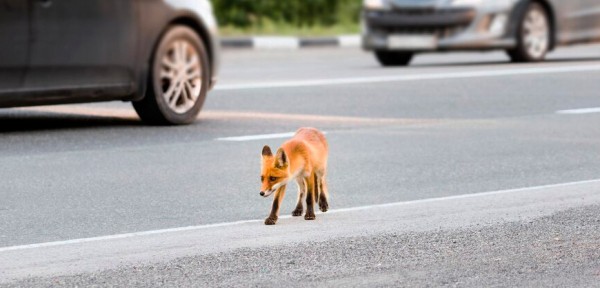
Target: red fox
(304,159)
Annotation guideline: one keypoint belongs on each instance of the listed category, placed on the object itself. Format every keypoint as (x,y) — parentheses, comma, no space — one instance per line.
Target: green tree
(297,13)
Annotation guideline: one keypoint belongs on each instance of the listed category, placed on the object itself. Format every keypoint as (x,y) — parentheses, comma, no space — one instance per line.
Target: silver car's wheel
(181,76)
(536,33)
(533,35)
(178,80)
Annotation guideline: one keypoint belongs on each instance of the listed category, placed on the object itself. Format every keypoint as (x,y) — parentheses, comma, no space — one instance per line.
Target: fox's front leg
(272,219)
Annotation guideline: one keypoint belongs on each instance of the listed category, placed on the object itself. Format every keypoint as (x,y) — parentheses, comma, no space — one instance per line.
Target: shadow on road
(21,121)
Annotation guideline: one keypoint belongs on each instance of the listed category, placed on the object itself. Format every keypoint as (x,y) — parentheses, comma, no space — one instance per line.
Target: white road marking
(125,235)
(208,226)
(411,77)
(580,111)
(257,137)
(464,196)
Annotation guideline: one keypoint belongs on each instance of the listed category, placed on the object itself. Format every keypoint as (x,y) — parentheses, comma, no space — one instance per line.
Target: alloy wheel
(181,76)
(536,33)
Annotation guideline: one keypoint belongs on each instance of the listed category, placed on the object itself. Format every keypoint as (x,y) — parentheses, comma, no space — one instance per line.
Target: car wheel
(533,35)
(393,58)
(178,80)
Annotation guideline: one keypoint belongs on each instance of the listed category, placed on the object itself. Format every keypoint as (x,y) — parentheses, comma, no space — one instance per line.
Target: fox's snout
(266,193)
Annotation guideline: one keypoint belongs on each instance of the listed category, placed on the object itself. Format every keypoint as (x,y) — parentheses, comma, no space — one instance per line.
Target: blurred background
(300,18)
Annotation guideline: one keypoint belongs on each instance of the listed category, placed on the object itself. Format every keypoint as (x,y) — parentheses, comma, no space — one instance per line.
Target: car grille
(439,32)
(430,11)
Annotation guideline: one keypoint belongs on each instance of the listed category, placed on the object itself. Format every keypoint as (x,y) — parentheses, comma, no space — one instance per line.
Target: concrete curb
(291,43)
(90,255)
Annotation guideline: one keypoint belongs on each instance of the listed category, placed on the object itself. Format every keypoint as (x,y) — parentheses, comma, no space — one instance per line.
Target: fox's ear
(281,159)
(267,151)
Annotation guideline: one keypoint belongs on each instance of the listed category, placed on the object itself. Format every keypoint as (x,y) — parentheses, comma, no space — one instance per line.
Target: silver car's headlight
(376,4)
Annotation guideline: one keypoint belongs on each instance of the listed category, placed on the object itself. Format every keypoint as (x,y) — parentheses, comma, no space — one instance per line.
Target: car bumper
(420,19)
(445,28)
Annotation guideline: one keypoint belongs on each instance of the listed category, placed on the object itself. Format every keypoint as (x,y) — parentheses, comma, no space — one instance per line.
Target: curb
(283,42)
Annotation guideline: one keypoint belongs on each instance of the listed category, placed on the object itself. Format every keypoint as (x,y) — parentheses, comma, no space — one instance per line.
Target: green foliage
(247,14)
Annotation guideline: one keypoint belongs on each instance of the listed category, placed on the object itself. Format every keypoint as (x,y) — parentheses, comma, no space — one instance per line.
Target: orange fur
(302,158)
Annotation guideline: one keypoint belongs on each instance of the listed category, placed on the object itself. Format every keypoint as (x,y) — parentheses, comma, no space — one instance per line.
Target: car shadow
(27,121)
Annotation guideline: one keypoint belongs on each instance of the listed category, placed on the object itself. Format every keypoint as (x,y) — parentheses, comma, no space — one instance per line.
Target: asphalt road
(451,124)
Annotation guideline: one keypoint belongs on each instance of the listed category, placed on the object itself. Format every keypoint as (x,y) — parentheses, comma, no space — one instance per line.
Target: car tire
(393,58)
(533,35)
(178,79)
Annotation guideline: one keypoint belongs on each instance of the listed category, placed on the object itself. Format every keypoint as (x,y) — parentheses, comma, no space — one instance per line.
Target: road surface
(460,170)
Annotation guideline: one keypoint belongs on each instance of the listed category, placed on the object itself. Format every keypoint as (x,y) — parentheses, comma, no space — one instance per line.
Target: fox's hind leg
(311,186)
(301,192)
(323,196)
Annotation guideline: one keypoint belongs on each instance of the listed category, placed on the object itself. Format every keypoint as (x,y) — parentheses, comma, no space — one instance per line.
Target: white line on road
(579,111)
(411,77)
(207,226)
(257,137)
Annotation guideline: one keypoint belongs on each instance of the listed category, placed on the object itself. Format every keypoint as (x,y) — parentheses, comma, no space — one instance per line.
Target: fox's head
(274,171)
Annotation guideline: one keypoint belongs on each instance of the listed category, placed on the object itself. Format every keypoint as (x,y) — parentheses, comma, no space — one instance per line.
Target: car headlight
(466,2)
(376,4)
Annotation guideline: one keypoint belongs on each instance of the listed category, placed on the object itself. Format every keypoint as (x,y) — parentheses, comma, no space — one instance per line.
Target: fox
(302,158)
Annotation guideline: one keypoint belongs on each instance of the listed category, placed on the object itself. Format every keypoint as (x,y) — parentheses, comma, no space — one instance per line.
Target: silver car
(527,29)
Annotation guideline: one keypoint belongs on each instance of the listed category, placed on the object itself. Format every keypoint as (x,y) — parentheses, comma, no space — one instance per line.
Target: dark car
(395,30)
(161,55)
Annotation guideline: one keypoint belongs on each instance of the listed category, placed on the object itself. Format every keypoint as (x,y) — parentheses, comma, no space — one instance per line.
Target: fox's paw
(297,212)
(270,221)
(309,216)
(323,206)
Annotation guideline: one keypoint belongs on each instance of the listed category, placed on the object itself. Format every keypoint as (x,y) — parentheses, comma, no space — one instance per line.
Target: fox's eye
(272,178)
(262,178)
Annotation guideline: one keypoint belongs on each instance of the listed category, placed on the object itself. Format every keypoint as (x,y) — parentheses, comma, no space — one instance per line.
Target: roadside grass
(282,29)
(288,18)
